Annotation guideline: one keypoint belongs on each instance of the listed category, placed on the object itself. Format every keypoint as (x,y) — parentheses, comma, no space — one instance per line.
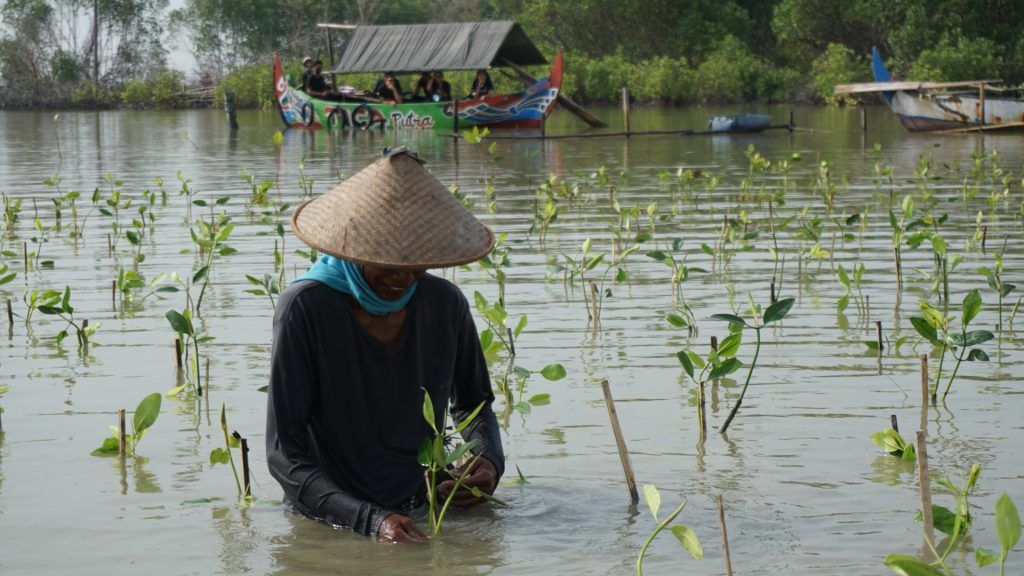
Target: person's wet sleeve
(471,386)
(290,451)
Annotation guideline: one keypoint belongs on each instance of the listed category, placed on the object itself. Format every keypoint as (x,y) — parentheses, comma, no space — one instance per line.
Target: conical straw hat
(395,214)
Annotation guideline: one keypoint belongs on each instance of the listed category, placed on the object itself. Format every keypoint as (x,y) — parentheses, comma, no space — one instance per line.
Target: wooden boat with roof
(425,48)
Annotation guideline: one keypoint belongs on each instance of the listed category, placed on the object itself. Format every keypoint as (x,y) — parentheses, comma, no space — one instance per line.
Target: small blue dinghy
(739,123)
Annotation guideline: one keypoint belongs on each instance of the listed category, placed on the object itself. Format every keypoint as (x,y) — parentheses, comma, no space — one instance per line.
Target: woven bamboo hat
(395,214)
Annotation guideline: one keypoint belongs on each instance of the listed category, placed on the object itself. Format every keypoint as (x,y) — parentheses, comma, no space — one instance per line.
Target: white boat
(922,106)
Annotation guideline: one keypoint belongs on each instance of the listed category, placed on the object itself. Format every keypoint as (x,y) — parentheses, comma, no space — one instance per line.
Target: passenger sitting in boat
(388,88)
(439,90)
(482,85)
(422,91)
(317,85)
(307,71)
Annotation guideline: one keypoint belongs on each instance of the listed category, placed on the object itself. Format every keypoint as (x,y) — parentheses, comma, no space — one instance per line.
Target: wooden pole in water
(702,412)
(455,118)
(984,237)
(625,110)
(981,102)
(122,447)
(894,423)
(177,352)
(113,293)
(24,252)
(924,391)
(593,304)
(925,485)
(867,307)
(110,246)
(878,329)
(246,489)
(792,124)
(620,442)
(229,107)
(10,313)
(725,537)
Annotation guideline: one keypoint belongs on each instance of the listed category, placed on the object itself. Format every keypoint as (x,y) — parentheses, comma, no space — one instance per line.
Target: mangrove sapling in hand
(435,457)
(145,416)
(773,313)
(686,536)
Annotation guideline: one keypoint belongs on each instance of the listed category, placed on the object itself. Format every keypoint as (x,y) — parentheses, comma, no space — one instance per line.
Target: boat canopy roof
(426,47)
(910,85)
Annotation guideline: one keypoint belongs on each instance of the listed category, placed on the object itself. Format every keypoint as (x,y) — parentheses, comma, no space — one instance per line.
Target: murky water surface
(806,491)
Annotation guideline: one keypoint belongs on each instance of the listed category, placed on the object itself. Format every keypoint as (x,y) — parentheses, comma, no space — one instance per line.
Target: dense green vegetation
(664,51)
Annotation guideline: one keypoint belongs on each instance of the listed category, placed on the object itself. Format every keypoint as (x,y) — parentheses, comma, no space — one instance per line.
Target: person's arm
(290,409)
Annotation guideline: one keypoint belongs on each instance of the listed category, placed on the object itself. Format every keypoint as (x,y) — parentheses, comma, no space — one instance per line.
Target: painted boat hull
(526,110)
(922,111)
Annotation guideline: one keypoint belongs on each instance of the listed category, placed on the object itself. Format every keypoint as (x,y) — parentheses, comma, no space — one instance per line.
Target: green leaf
(890,441)
(227,251)
(689,540)
(653,499)
(4,389)
(707,249)
(971,306)
(110,446)
(657,255)
(1007,523)
(423,455)
(520,326)
(909,566)
(51,310)
(730,318)
(200,274)
(778,310)
(539,400)
(939,246)
(983,556)
(6,279)
(676,320)
(842,303)
(977,354)
(179,323)
(727,367)
(146,413)
(61,336)
(844,278)
(684,359)
(553,372)
(730,345)
(871,344)
(65,302)
(1007,288)
(469,419)
(461,451)
(926,330)
(976,337)
(175,391)
(428,411)
(523,407)
(220,456)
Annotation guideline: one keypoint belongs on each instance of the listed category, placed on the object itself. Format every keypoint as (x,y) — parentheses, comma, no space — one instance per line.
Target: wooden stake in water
(878,330)
(924,483)
(867,307)
(244,444)
(177,352)
(625,110)
(593,305)
(702,413)
(122,446)
(894,423)
(10,313)
(113,293)
(924,391)
(110,246)
(725,537)
(984,237)
(620,442)
(24,251)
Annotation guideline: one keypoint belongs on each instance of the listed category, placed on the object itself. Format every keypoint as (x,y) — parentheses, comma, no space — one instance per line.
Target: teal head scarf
(347,277)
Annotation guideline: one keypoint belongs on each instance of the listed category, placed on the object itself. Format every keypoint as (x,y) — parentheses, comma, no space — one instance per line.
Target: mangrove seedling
(114,207)
(183,325)
(851,284)
(5,276)
(435,457)
(495,262)
(54,303)
(223,455)
(994,276)
(209,238)
(145,415)
(773,313)
(258,192)
(947,521)
(12,209)
(268,286)
(935,327)
(680,273)
(893,443)
(686,536)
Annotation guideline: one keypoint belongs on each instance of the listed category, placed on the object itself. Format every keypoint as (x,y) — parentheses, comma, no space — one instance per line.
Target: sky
(180,56)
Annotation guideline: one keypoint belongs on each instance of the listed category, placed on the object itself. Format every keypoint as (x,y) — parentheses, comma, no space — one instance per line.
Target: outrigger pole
(571,106)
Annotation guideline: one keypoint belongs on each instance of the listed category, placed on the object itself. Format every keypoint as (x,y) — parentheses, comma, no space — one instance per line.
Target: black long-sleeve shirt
(345,411)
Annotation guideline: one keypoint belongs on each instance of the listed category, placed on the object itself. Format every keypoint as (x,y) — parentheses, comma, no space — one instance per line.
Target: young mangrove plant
(495,263)
(680,273)
(994,276)
(114,207)
(209,236)
(269,286)
(686,536)
(947,521)
(773,313)
(435,457)
(893,443)
(851,284)
(55,303)
(223,455)
(183,325)
(935,327)
(11,213)
(145,416)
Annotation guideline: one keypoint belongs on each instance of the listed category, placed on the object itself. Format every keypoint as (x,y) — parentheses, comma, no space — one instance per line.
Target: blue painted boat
(739,123)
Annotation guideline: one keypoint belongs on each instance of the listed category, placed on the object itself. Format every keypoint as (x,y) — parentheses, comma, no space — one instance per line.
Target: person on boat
(388,88)
(439,89)
(358,339)
(422,90)
(482,85)
(317,85)
(307,71)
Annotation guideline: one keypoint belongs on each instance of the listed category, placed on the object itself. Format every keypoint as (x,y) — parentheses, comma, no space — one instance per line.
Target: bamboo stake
(593,304)
(878,329)
(625,110)
(701,413)
(725,537)
(122,447)
(113,293)
(10,313)
(894,423)
(925,485)
(246,488)
(984,237)
(867,307)
(924,391)
(620,442)
(177,352)
(110,246)
(24,252)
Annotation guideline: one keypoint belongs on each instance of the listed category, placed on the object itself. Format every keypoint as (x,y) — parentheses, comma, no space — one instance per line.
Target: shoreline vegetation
(665,52)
